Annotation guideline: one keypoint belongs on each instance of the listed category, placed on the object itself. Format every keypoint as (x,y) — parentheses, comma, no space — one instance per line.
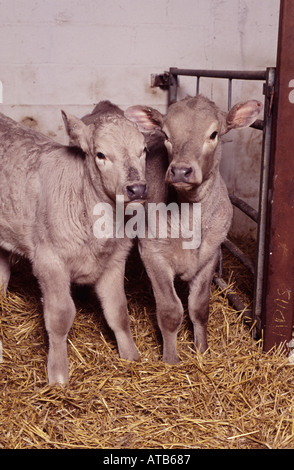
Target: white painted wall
(72,53)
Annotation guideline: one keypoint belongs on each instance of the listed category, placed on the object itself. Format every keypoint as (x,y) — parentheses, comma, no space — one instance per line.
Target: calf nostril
(145,192)
(130,192)
(188,172)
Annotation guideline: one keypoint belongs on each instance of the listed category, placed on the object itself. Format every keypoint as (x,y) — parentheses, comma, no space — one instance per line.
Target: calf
(192,129)
(47,197)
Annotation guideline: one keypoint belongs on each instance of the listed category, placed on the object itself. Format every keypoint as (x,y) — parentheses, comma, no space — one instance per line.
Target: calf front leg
(110,291)
(4,270)
(169,309)
(198,303)
(59,314)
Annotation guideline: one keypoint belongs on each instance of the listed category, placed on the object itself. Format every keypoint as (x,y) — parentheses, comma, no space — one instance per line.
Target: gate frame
(273,303)
(261,217)
(277,308)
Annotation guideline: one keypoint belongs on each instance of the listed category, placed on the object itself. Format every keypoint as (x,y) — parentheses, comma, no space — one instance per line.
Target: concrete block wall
(70,54)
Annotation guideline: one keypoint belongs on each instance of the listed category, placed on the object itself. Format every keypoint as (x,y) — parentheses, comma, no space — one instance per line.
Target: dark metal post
(173,88)
(278,290)
(230,84)
(263,199)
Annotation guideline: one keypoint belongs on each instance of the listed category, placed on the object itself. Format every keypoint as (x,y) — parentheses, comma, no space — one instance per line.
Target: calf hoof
(131,355)
(58,380)
(171,358)
(201,348)
(57,376)
(4,284)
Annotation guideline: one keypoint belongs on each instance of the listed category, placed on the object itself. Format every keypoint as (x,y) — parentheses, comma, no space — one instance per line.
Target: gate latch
(160,80)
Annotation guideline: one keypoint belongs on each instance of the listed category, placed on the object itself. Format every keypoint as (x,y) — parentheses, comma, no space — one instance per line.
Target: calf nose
(180,174)
(136,191)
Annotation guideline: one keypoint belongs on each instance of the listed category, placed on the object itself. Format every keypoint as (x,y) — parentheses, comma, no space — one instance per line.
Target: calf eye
(213,135)
(101,156)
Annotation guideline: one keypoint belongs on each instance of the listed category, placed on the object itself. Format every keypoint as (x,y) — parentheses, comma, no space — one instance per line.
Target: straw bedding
(233,396)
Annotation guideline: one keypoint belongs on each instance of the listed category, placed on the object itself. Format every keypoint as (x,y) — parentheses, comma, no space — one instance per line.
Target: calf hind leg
(169,316)
(198,304)
(199,311)
(110,291)
(4,270)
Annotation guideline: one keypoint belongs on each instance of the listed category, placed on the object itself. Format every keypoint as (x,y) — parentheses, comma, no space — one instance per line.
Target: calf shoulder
(216,211)
(216,221)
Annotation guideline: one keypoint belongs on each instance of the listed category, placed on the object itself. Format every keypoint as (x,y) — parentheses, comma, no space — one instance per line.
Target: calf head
(115,155)
(192,129)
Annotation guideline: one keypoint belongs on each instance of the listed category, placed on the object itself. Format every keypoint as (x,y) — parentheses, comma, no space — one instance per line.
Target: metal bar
(234,298)
(248,263)
(244,207)
(278,285)
(229,93)
(263,201)
(198,86)
(173,88)
(220,263)
(230,74)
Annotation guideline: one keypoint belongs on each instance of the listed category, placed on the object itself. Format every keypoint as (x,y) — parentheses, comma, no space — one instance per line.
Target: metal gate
(170,81)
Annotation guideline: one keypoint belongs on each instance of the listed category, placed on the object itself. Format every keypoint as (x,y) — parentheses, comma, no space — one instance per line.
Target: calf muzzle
(180,174)
(137,191)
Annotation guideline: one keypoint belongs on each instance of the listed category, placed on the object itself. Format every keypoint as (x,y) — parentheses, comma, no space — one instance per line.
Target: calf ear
(242,115)
(77,131)
(146,119)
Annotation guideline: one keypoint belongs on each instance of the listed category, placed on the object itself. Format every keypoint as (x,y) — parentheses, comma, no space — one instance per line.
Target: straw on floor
(233,396)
